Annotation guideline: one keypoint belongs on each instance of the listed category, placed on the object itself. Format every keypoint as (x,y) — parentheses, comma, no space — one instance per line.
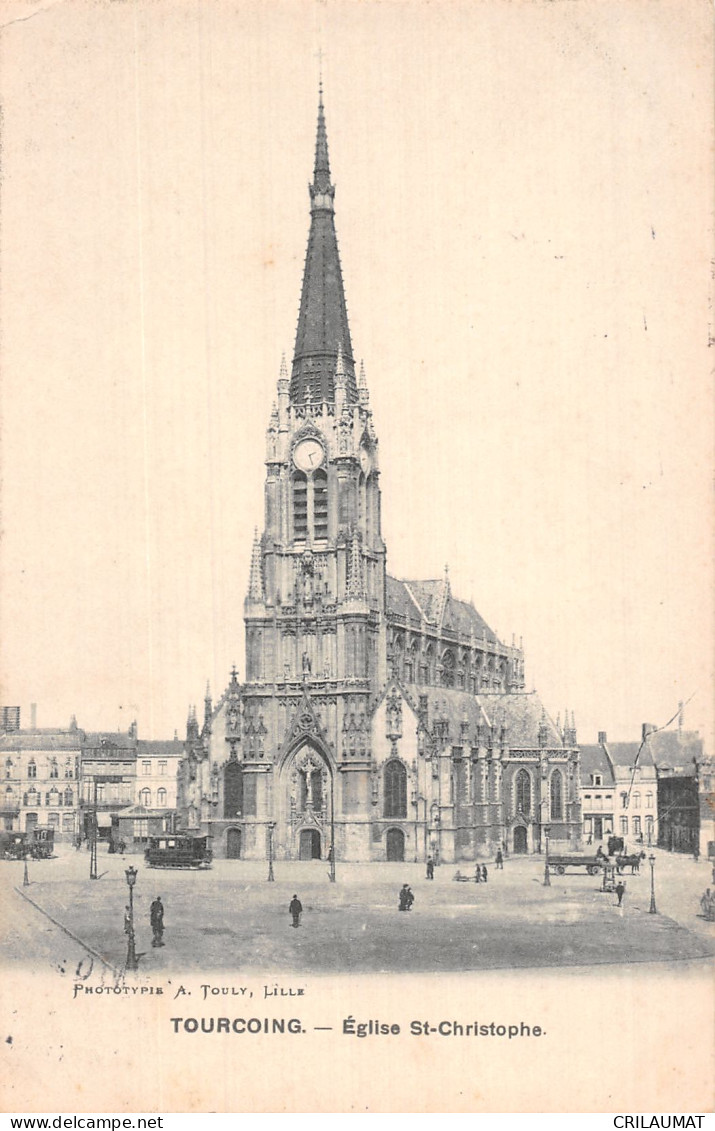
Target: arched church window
(523,792)
(395,789)
(448,669)
(320,504)
(556,796)
(232,790)
(300,506)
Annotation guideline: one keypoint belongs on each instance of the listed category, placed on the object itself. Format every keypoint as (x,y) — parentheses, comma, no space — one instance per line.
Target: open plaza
(231,918)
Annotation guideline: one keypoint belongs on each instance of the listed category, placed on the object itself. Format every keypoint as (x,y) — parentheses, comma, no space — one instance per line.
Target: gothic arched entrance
(304,803)
(520,839)
(233,844)
(310,844)
(395,845)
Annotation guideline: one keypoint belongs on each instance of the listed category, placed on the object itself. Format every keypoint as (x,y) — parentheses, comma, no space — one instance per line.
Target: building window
(523,792)
(161,798)
(556,797)
(69,797)
(588,826)
(146,769)
(395,782)
(649,829)
(8,768)
(596,779)
(300,506)
(32,769)
(67,823)
(32,798)
(145,798)
(320,505)
(53,820)
(54,770)
(624,801)
(448,669)
(162,768)
(53,797)
(636,826)
(649,800)
(636,800)
(99,791)
(69,769)
(624,826)
(597,801)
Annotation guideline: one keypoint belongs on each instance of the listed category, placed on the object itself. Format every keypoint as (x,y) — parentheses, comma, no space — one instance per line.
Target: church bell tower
(315,609)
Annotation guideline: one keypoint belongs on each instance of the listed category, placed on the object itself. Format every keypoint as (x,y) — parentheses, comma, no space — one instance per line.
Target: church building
(379,719)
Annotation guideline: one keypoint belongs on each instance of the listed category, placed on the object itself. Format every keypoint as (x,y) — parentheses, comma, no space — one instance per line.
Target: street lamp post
(332,829)
(93,837)
(132,962)
(271,826)
(652,909)
(547,876)
(25,877)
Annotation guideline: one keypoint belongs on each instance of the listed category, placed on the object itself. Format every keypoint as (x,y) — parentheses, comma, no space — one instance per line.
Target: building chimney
(602,738)
(33,715)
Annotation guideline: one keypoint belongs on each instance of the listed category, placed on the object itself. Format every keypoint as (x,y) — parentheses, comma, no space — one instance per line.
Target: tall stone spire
(323,317)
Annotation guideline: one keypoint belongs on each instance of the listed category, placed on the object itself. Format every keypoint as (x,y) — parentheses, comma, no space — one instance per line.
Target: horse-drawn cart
(559,864)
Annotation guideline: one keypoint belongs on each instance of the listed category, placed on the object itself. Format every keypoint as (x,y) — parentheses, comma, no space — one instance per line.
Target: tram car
(179,851)
(38,844)
(42,843)
(12,845)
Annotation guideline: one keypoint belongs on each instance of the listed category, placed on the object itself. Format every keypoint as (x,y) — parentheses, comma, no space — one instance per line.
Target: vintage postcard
(356,583)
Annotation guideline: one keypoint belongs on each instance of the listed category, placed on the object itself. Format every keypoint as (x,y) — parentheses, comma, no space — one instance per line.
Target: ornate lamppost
(25,877)
(271,827)
(132,962)
(652,910)
(547,876)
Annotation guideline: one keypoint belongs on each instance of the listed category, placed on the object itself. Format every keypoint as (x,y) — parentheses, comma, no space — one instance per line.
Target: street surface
(231,918)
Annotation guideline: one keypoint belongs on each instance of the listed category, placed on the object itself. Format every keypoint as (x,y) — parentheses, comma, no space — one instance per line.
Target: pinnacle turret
(255,583)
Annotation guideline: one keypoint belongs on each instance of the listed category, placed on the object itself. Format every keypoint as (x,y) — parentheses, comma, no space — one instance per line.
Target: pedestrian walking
(296,910)
(406,898)
(478,874)
(156,918)
(484,873)
(620,892)
(499,859)
(122,847)
(78,843)
(430,868)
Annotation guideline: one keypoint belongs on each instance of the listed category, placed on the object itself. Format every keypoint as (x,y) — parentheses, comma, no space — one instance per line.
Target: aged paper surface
(524,212)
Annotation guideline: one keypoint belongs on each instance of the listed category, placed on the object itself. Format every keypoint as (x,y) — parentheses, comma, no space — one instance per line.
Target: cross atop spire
(323,316)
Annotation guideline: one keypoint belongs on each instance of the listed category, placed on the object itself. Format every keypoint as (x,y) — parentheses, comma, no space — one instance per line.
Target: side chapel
(379,718)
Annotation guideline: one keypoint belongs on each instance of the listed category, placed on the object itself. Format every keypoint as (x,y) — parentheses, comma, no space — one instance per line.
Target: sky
(523,205)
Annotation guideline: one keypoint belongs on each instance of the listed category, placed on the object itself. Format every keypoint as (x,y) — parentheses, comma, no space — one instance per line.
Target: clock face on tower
(308,454)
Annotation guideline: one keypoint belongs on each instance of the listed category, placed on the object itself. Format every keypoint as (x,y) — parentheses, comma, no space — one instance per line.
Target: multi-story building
(108,776)
(381,718)
(40,778)
(679,759)
(619,791)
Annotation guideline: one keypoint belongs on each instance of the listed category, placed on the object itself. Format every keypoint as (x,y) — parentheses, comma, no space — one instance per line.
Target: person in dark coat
(156,918)
(478,874)
(406,898)
(620,892)
(430,868)
(296,910)
(484,873)
(499,859)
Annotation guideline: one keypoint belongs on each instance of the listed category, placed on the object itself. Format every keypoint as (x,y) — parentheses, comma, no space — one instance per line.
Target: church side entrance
(233,844)
(520,840)
(395,845)
(310,844)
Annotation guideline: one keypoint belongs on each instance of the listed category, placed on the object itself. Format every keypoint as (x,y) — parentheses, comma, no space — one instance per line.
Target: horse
(633,861)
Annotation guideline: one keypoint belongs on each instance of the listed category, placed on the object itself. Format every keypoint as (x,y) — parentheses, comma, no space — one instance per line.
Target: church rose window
(556,796)
(395,789)
(523,792)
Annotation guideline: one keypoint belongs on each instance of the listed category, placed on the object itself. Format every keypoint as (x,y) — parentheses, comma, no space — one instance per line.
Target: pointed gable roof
(323,317)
